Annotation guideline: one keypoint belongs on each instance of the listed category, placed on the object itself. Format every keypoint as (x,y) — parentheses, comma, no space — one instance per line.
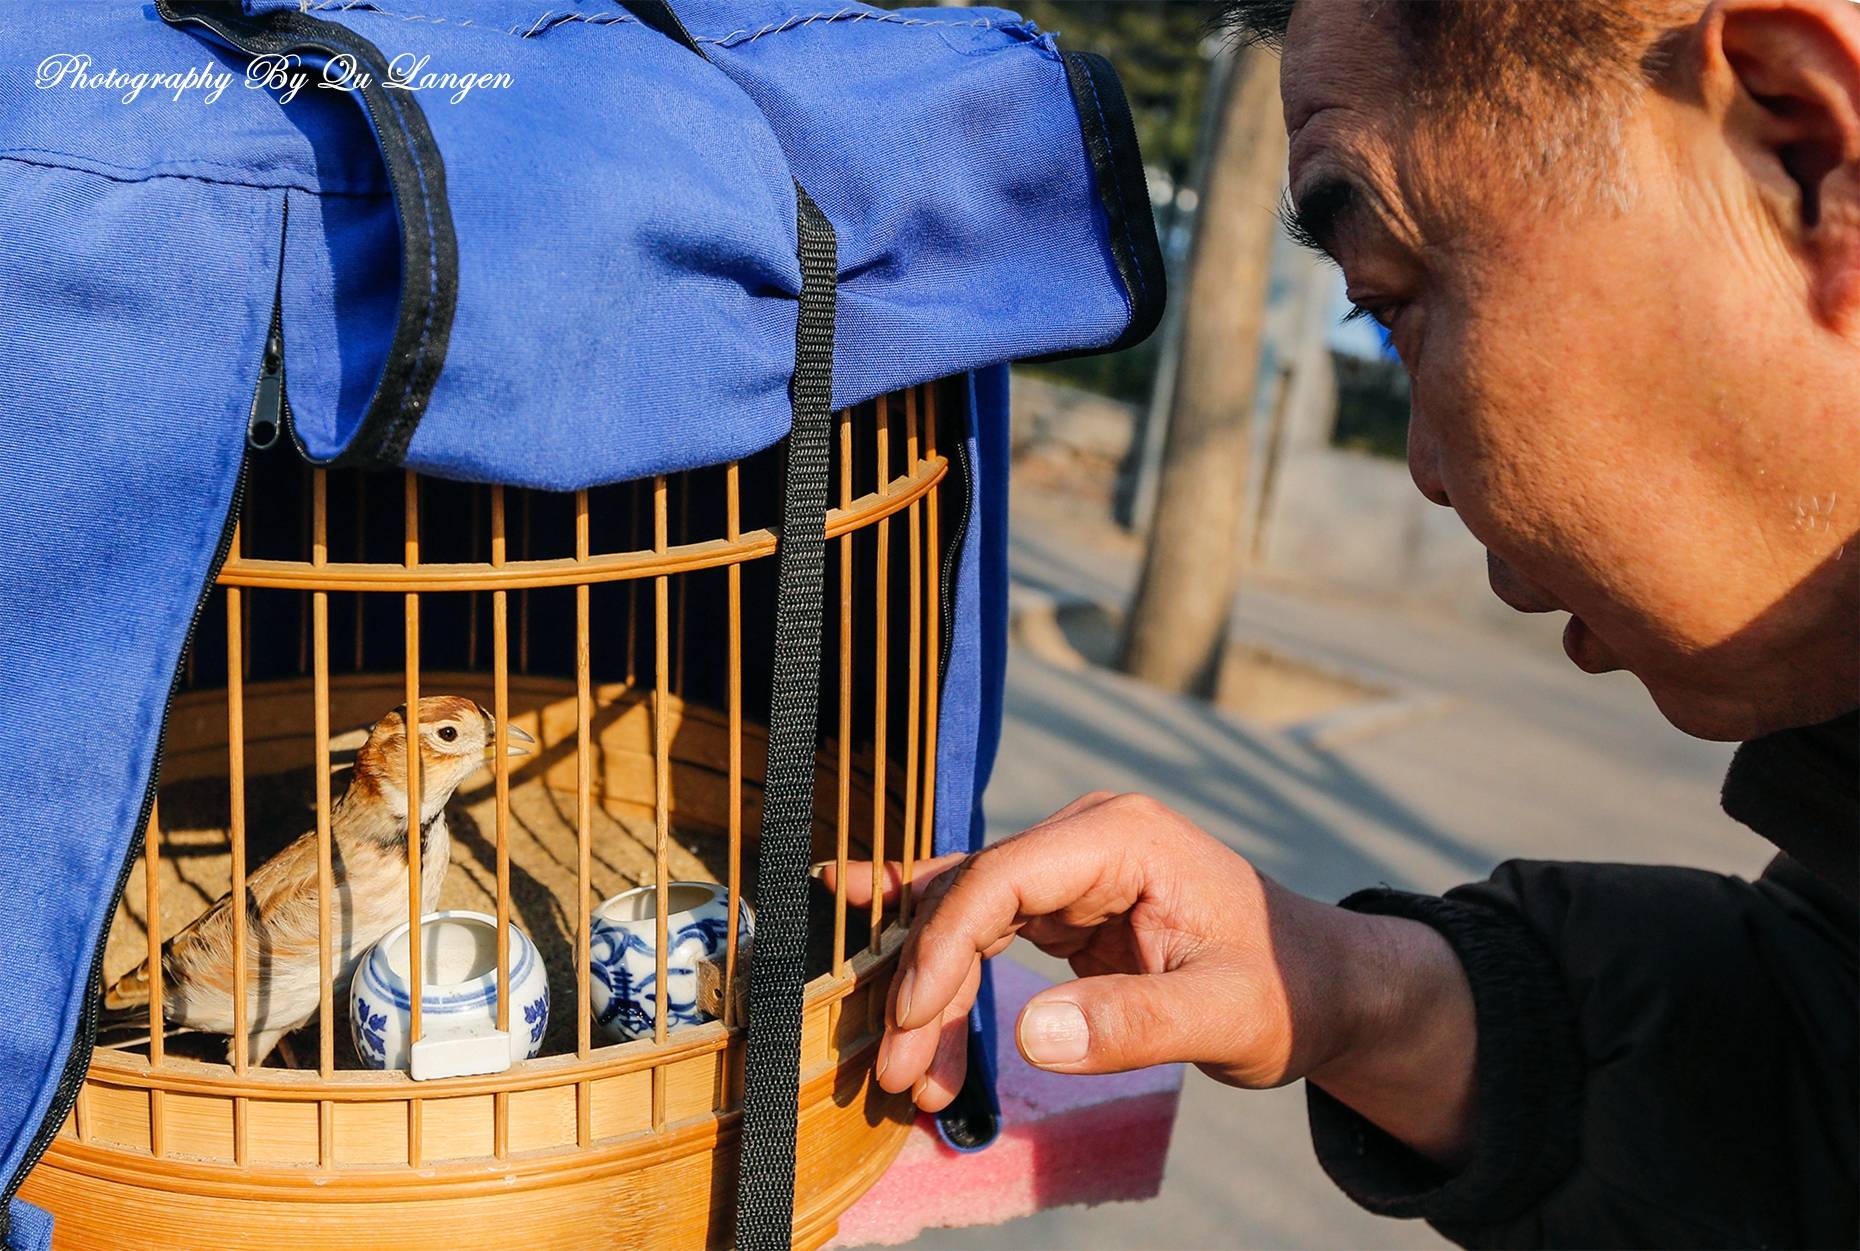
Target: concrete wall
(1316,513)
(1345,517)
(1356,521)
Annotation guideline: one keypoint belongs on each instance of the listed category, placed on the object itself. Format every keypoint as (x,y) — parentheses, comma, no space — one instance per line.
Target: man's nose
(1424,452)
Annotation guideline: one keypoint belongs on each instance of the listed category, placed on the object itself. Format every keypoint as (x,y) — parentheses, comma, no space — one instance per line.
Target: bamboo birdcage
(627,629)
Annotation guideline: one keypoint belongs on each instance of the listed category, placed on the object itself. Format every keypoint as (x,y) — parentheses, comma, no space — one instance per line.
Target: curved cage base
(631,1187)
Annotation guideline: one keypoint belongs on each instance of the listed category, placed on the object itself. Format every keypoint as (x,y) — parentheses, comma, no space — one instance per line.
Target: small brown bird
(368,857)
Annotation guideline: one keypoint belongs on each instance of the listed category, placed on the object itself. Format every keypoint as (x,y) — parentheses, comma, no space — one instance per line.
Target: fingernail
(904,994)
(818,869)
(884,1058)
(1053,1033)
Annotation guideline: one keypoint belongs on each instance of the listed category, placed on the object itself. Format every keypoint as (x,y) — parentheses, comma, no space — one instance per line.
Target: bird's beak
(515,732)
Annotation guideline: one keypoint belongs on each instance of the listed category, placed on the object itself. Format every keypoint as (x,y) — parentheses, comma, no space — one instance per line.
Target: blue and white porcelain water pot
(458,972)
(624,988)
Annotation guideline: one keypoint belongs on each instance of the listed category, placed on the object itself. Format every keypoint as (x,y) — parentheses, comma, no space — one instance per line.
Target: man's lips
(1516,590)
(1580,644)
(1585,650)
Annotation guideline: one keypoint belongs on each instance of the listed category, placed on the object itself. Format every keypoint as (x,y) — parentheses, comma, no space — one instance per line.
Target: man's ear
(1786,74)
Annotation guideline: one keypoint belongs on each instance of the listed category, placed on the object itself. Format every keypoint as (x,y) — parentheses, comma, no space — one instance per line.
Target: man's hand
(1184,952)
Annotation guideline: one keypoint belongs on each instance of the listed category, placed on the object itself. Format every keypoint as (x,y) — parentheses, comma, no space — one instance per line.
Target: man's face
(1622,393)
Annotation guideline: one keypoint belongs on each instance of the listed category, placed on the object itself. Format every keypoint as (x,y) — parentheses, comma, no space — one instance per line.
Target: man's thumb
(1112,1023)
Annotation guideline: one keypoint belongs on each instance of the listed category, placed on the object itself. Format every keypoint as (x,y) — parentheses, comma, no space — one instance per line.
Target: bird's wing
(281,927)
(284,899)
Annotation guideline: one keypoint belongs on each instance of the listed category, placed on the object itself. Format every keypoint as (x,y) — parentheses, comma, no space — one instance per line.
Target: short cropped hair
(1505,53)
(1550,77)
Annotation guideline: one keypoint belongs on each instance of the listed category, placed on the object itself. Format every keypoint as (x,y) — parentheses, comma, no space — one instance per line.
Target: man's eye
(1382,314)
(447,733)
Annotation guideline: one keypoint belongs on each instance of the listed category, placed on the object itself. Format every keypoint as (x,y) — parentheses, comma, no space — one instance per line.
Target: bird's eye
(447,733)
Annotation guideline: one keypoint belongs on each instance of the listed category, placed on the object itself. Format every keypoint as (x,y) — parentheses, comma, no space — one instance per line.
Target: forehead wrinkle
(1345,84)
(1338,54)
(1336,148)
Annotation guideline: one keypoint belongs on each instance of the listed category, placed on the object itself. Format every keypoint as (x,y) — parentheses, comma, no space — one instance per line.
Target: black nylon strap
(777,976)
(771,1079)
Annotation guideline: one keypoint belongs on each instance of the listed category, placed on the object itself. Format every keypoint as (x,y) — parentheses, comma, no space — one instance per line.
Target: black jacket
(1666,1057)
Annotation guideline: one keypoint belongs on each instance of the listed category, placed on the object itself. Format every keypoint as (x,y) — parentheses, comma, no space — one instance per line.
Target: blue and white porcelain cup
(458,969)
(623,960)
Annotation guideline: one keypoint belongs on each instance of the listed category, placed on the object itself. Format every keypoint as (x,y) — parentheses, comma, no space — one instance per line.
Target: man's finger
(1118,1022)
(925,872)
(906,1055)
(1079,864)
(940,1085)
(859,877)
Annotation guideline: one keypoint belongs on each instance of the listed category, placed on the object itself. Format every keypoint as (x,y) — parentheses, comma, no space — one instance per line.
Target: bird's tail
(125,1005)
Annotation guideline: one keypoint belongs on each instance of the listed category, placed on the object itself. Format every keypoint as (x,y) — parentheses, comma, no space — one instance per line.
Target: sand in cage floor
(196,869)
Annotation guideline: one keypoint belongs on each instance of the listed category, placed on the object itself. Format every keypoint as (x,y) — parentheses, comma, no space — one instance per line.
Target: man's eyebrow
(1319,216)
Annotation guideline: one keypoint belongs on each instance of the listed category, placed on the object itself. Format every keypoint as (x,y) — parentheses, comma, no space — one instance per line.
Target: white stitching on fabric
(549,19)
(743,35)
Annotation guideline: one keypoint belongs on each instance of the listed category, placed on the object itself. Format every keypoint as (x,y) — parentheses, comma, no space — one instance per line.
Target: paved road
(1532,758)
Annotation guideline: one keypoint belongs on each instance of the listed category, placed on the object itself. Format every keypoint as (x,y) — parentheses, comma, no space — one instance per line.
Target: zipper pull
(267,419)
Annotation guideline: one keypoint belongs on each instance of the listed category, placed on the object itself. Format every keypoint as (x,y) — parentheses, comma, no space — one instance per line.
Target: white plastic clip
(461,1055)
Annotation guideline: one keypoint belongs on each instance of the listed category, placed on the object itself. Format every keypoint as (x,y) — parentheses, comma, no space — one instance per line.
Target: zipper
(78,1063)
(958,533)
(270,408)
(271,402)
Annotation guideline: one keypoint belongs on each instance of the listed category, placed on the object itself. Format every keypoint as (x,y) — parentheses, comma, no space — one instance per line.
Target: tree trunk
(1178,622)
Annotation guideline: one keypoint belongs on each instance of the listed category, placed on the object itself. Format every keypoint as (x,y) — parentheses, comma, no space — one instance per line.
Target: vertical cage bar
(523,597)
(151,867)
(914,659)
(361,554)
(933,634)
(843,814)
(681,644)
(632,586)
(325,858)
(307,523)
(881,661)
(500,712)
(471,599)
(319,695)
(238,551)
(235,751)
(416,813)
(584,817)
(733,530)
(661,794)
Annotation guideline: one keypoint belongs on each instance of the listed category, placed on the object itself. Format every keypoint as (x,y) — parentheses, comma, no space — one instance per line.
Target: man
(1617,245)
